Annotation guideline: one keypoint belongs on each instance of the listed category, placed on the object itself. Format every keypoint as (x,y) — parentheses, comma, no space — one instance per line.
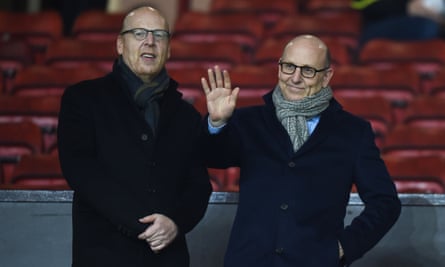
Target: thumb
(148,219)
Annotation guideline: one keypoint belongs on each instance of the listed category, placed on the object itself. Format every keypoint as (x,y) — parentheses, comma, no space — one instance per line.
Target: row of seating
(411,174)
(400,83)
(418,69)
(28,123)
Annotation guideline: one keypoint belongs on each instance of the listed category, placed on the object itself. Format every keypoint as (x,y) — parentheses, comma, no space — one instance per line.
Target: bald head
(311,42)
(142,11)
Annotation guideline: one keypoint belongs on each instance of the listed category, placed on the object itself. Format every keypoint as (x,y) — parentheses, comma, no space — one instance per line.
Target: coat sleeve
(379,195)
(84,172)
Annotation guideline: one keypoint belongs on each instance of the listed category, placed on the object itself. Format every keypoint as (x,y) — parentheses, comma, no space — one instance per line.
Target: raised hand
(221,99)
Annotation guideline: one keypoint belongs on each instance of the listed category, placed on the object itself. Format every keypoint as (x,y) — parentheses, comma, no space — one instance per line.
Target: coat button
(284,206)
(151,190)
(291,164)
(144,137)
(279,250)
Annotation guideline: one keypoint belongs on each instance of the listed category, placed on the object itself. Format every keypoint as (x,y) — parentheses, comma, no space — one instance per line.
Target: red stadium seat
(17,139)
(225,180)
(412,140)
(270,50)
(245,30)
(330,8)
(269,12)
(37,29)
(398,85)
(417,174)
(42,80)
(70,53)
(186,54)
(377,110)
(435,84)
(346,29)
(97,25)
(14,56)
(38,172)
(425,111)
(426,56)
(40,110)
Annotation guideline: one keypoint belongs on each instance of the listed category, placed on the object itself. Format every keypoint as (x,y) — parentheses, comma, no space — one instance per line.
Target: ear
(168,50)
(327,76)
(119,45)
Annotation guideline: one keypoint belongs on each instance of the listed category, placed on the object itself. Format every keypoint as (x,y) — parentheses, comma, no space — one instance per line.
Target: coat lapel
(328,120)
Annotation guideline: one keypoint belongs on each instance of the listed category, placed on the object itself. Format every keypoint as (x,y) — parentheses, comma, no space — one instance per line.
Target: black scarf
(146,95)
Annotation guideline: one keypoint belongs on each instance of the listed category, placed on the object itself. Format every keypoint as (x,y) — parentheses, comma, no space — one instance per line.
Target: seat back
(38,172)
(97,25)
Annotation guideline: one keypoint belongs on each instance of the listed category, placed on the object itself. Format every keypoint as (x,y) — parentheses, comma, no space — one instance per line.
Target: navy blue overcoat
(292,205)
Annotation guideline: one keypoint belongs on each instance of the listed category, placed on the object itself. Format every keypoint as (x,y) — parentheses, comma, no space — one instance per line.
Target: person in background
(129,147)
(404,20)
(299,155)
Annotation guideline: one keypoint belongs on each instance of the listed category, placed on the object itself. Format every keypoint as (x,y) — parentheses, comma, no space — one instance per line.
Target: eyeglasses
(140,34)
(305,71)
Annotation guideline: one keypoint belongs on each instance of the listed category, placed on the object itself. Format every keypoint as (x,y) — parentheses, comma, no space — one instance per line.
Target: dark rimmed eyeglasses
(140,34)
(305,71)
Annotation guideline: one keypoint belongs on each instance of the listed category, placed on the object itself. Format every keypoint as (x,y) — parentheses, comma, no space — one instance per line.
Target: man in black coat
(129,148)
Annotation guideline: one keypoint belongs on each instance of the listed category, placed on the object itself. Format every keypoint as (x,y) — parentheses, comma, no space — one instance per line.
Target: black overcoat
(120,172)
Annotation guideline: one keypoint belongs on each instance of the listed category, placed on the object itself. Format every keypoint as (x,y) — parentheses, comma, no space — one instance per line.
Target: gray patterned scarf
(293,114)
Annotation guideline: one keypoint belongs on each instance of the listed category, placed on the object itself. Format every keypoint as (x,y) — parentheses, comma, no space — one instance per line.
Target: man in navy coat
(299,155)
(129,147)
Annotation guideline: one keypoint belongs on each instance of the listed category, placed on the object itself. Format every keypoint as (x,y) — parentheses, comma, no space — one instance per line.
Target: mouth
(148,56)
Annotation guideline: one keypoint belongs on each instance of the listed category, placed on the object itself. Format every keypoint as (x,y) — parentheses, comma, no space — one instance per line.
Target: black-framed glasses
(140,34)
(305,71)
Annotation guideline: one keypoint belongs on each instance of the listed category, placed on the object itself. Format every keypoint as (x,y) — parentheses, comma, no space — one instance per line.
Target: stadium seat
(43,80)
(425,111)
(17,139)
(426,56)
(270,50)
(399,85)
(345,28)
(414,140)
(186,54)
(245,30)
(377,110)
(225,180)
(68,53)
(40,110)
(37,172)
(269,12)
(97,25)
(434,85)
(417,174)
(14,56)
(37,29)
(329,8)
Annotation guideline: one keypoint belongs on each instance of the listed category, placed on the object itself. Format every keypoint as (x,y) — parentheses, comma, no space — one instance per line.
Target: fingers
(217,79)
(211,78)
(148,219)
(205,86)
(160,233)
(227,83)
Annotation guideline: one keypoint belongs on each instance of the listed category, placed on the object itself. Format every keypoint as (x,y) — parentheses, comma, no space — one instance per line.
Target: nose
(150,40)
(296,76)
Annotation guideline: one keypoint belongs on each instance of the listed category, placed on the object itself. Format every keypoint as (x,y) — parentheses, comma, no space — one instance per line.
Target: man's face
(145,57)
(306,54)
